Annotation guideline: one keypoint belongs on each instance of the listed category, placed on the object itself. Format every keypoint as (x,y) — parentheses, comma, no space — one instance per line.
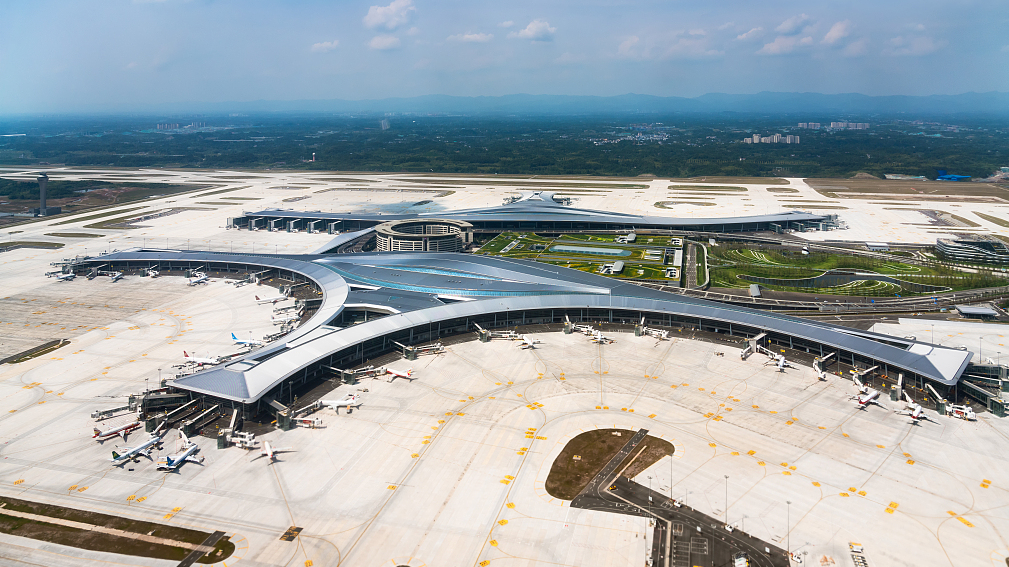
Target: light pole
(933,333)
(788,530)
(726,499)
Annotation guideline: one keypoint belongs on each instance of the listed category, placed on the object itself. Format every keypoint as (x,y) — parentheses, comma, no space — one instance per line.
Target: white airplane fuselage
(142,449)
(121,431)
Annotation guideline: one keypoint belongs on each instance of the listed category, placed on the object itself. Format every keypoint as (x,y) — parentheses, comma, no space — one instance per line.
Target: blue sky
(58,56)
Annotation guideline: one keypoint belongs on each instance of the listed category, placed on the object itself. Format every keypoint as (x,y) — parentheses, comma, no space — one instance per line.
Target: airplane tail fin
(257,298)
(97,432)
(115,455)
(409,372)
(233,337)
(185,354)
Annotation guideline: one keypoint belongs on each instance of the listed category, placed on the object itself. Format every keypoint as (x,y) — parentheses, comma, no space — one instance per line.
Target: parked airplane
(131,453)
(66,277)
(249,343)
(121,431)
(200,361)
(599,338)
(284,318)
(399,373)
(866,395)
(274,299)
(117,276)
(200,278)
(189,450)
(270,452)
(351,401)
(780,361)
(153,273)
(913,410)
(529,342)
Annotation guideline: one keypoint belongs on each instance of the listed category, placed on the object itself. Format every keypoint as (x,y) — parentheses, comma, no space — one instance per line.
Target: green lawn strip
(992,219)
(75,235)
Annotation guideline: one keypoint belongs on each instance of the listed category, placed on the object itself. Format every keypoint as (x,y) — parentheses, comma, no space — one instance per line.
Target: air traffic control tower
(43,210)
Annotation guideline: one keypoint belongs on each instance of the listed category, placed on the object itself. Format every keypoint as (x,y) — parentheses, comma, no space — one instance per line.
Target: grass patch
(98,216)
(568,477)
(29,244)
(75,235)
(243,198)
(740,180)
(673,204)
(707,188)
(993,219)
(218,192)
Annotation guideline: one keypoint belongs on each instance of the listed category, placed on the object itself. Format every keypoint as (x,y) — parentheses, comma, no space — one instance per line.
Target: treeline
(29,190)
(692,146)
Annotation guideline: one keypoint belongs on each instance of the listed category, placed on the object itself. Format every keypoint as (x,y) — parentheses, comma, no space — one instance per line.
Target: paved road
(682,537)
(690,267)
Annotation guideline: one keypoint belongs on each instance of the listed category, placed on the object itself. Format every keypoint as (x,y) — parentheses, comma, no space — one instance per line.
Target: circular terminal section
(424,235)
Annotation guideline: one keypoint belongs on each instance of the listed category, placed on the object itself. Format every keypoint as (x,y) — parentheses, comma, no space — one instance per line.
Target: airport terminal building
(411,299)
(534,211)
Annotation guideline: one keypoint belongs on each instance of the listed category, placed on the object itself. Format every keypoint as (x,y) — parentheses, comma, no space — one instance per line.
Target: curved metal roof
(540,207)
(490,284)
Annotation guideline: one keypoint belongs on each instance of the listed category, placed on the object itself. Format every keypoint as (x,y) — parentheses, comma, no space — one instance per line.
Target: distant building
(877,246)
(772,139)
(973,249)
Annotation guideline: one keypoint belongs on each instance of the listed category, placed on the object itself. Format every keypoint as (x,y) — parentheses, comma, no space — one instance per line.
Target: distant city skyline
(73,56)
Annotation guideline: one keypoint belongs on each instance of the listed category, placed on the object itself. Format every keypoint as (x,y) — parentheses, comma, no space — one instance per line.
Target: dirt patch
(98,541)
(570,475)
(222,550)
(115,522)
(75,235)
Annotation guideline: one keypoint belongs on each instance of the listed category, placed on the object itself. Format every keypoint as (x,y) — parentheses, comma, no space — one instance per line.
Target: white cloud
(626,47)
(792,25)
(507,24)
(784,44)
(856,48)
(472,37)
(837,32)
(726,26)
(674,46)
(914,46)
(324,46)
(390,17)
(698,31)
(413,31)
(537,30)
(384,42)
(750,34)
